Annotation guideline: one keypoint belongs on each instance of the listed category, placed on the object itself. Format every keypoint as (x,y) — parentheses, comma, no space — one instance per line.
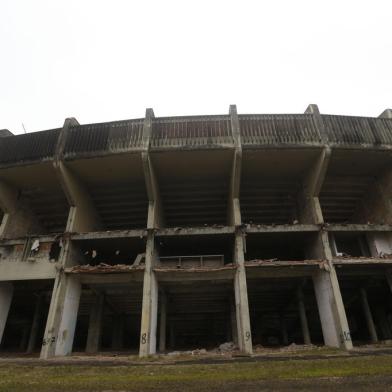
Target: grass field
(368,373)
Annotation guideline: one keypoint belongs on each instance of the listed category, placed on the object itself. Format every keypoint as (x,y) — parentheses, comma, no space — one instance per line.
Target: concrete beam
(234,214)
(6,294)
(155,214)
(150,301)
(95,325)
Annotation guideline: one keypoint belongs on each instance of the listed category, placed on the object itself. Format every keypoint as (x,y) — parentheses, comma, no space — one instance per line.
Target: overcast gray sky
(109,60)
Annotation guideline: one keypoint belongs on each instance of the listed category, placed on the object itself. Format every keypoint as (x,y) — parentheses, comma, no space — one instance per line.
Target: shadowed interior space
(112,251)
(270,185)
(283,311)
(193,186)
(26,320)
(289,246)
(352,189)
(367,301)
(109,317)
(117,188)
(198,314)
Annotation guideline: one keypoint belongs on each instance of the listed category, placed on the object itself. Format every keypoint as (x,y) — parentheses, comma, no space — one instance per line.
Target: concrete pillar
(303,318)
(118,332)
(241,299)
(163,323)
(35,324)
(63,312)
(233,322)
(331,310)
(6,293)
(379,244)
(368,316)
(388,275)
(150,301)
(283,330)
(95,324)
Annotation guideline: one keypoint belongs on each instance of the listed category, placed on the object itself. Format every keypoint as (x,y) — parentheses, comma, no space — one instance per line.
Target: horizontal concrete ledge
(284,263)
(280,228)
(95,235)
(185,231)
(357,227)
(109,278)
(362,261)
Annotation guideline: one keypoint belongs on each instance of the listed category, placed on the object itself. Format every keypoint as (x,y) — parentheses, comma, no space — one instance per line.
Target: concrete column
(118,332)
(303,318)
(331,310)
(95,324)
(163,323)
(233,321)
(35,324)
(63,312)
(241,299)
(150,301)
(283,329)
(6,293)
(368,316)
(379,244)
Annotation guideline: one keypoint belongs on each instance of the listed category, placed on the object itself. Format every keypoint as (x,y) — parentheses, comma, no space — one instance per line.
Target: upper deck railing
(198,132)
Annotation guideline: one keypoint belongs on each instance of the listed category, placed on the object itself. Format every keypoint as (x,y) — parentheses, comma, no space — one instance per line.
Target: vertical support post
(63,312)
(6,294)
(150,302)
(35,324)
(368,316)
(233,320)
(244,335)
(303,318)
(95,324)
(163,323)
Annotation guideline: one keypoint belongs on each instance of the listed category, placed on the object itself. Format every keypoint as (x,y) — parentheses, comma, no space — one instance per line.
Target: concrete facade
(170,233)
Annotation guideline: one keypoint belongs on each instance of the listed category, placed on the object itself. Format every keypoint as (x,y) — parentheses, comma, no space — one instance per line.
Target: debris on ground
(227,347)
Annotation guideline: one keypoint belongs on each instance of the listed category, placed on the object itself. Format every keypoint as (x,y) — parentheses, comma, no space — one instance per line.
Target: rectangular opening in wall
(284,246)
(196,251)
(113,251)
(350,245)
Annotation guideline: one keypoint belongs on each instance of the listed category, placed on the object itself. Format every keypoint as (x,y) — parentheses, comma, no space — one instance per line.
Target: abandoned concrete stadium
(174,233)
